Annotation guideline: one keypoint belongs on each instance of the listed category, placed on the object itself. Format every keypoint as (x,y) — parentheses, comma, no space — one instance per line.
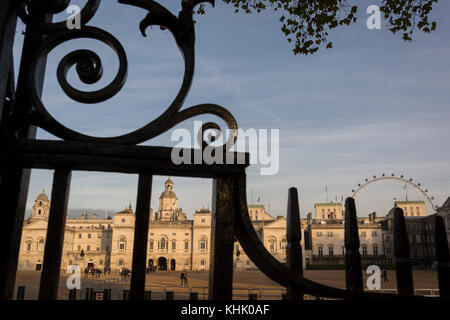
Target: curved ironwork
(279,273)
(89,69)
(410,182)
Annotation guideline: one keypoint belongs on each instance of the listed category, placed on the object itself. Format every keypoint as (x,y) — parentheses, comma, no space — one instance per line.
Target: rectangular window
(88,248)
(375,250)
(79,248)
(374,233)
(320,251)
(99,236)
(330,251)
(174,245)
(186,245)
(151,246)
(89,235)
(319,234)
(330,234)
(418,238)
(79,236)
(364,251)
(363,234)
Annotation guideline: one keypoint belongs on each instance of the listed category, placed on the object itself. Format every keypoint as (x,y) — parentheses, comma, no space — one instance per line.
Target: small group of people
(184,279)
(151,268)
(106,270)
(125,273)
(93,272)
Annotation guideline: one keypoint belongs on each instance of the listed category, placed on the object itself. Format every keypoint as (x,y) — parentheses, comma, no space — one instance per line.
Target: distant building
(324,236)
(444,212)
(420,230)
(174,242)
(412,208)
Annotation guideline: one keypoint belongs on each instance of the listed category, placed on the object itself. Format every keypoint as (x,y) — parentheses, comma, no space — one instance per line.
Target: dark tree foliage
(307,23)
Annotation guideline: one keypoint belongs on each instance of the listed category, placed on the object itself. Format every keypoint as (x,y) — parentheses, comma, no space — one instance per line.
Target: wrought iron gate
(22,111)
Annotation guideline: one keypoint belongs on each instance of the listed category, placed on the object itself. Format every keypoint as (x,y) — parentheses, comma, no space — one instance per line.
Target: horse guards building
(177,243)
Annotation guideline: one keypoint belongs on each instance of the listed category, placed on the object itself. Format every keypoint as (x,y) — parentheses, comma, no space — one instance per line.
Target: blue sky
(373,104)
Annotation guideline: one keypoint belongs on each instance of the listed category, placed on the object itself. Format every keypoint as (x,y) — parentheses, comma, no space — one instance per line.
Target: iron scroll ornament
(89,69)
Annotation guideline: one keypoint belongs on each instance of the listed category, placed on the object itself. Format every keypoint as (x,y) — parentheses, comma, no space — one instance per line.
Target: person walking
(385,279)
(185,279)
(181,279)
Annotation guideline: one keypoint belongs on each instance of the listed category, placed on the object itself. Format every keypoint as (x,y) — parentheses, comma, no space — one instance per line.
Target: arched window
(122,243)
(163,244)
(39,212)
(283,244)
(28,246)
(203,245)
(272,244)
(150,245)
(40,245)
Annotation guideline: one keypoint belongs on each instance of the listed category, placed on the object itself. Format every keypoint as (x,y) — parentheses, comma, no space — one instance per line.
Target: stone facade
(174,242)
(177,243)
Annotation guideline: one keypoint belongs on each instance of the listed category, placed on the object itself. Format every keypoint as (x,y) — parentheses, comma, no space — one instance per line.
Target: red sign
(99,296)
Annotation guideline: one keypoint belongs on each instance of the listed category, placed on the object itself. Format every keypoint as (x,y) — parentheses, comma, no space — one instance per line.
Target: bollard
(126,295)
(147,295)
(193,295)
(107,294)
(21,293)
(89,294)
(169,295)
(252,296)
(73,294)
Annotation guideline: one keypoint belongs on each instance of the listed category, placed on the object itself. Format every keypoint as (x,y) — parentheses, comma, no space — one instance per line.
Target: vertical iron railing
(222,238)
(403,267)
(442,257)
(137,286)
(54,242)
(353,268)
(294,260)
(15,181)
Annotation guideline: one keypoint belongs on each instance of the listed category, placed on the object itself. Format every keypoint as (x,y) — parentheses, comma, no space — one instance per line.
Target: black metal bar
(73,294)
(169,295)
(403,267)
(107,294)
(294,259)
(144,192)
(48,289)
(353,268)
(14,181)
(21,293)
(148,295)
(222,238)
(442,257)
(110,158)
(193,295)
(89,295)
(126,295)
(8,22)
